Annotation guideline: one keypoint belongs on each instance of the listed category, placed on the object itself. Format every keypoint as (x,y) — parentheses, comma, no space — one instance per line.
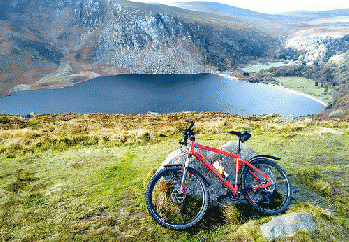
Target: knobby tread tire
(154,213)
(287,186)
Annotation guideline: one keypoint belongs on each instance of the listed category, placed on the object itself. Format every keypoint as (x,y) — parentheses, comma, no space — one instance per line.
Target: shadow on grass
(237,214)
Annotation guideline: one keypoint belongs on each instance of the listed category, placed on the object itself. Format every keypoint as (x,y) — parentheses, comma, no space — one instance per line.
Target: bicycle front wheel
(273,199)
(172,208)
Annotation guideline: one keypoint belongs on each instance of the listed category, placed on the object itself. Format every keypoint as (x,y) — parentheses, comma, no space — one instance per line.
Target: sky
(273,6)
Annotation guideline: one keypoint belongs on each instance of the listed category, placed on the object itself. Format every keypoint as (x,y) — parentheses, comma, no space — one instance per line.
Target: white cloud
(274,6)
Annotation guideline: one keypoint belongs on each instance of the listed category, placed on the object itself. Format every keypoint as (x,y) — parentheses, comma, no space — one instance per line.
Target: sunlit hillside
(75,177)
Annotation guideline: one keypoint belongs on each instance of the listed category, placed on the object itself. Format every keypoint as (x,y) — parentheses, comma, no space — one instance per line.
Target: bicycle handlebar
(191,124)
(187,133)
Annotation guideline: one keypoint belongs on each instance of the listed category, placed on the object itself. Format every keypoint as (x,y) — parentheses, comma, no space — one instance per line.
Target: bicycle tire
(271,200)
(174,210)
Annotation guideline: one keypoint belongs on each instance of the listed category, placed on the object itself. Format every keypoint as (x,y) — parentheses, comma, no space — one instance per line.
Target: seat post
(239,149)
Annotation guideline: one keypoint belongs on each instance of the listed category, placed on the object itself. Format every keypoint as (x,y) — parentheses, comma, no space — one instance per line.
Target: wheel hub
(178,196)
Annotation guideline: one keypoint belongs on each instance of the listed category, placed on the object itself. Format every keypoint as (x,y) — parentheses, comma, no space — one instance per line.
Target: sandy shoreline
(285,88)
(304,94)
(228,76)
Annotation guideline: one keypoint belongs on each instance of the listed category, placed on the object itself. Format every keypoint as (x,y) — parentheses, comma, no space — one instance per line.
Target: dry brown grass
(66,130)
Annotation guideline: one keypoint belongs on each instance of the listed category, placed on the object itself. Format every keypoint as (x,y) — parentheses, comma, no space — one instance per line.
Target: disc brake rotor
(177,196)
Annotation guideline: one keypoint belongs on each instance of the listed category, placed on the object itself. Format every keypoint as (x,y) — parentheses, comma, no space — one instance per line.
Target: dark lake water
(138,94)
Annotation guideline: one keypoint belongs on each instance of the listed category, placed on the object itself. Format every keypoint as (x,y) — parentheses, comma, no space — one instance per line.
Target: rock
(28,116)
(216,188)
(270,115)
(308,120)
(287,225)
(287,118)
(152,113)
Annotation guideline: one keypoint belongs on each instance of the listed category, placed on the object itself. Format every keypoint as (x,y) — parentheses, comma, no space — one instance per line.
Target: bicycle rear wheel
(270,200)
(172,208)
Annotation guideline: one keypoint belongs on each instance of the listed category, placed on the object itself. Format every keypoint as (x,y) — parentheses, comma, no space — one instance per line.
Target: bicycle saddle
(243,135)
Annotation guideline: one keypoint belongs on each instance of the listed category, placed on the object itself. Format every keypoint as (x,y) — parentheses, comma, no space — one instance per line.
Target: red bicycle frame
(239,162)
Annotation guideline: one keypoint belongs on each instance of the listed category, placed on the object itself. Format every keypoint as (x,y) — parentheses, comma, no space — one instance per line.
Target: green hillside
(82,177)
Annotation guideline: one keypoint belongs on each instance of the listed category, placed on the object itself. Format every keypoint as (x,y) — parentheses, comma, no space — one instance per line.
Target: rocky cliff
(40,38)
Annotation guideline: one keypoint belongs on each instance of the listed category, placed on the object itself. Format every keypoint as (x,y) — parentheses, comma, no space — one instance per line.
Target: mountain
(316,45)
(312,15)
(221,9)
(58,43)
(275,25)
(293,17)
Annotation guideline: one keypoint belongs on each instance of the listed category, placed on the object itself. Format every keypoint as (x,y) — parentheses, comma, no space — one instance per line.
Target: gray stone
(152,113)
(308,120)
(287,225)
(287,118)
(216,188)
(28,116)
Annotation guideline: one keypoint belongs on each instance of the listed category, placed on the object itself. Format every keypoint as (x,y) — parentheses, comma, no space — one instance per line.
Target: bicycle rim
(270,200)
(169,206)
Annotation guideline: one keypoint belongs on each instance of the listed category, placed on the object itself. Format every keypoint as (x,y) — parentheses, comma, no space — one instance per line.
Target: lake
(138,94)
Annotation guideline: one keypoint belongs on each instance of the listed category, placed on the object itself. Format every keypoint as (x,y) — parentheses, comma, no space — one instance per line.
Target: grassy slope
(307,86)
(83,177)
(260,67)
(299,84)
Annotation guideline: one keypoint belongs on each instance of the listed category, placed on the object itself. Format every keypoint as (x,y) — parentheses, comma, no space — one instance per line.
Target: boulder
(290,118)
(28,116)
(287,225)
(216,188)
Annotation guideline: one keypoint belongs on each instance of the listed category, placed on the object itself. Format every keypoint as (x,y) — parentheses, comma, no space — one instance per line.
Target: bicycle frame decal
(239,162)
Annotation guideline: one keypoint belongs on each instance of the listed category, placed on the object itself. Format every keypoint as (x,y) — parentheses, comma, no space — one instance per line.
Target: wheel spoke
(272,199)
(170,206)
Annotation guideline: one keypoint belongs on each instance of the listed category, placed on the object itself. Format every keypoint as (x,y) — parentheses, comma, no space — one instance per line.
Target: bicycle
(177,195)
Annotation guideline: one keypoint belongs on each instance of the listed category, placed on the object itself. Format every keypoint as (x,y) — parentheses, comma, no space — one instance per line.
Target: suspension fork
(184,176)
(186,164)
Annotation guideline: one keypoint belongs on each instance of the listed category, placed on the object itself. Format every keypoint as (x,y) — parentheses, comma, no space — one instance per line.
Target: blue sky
(274,6)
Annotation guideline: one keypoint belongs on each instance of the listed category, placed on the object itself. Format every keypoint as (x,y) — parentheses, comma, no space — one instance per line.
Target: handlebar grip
(191,123)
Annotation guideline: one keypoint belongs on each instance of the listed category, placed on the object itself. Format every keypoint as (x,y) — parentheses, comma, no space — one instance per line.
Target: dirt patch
(301,194)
